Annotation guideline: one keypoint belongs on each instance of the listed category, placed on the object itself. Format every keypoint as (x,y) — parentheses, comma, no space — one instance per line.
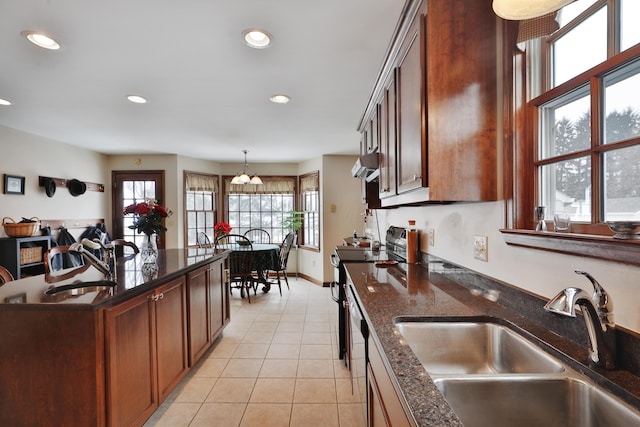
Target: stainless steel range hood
(365,165)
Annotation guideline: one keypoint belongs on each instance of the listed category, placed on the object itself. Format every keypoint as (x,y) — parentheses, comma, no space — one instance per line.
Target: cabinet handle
(156,297)
(385,190)
(416,177)
(345,304)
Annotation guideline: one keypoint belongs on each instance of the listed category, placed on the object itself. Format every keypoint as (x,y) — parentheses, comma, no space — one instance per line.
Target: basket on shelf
(31,255)
(20,229)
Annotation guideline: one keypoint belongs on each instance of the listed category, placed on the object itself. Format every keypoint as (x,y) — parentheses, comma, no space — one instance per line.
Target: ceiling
(208,93)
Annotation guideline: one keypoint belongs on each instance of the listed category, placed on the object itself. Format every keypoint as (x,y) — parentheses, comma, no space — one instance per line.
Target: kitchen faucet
(597,310)
(106,267)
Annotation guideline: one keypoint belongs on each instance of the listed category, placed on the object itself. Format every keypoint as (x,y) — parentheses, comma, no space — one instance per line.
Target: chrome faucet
(106,267)
(597,310)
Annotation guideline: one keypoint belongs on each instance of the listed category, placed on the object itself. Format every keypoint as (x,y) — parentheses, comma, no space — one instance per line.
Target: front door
(134,187)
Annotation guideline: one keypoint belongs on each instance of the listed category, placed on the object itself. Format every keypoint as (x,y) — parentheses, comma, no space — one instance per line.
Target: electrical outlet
(432,237)
(480,248)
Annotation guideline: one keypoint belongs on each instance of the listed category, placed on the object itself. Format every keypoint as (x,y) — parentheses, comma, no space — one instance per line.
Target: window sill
(593,246)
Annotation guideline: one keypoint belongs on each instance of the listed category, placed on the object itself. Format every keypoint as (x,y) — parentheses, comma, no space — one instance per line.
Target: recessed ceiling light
(4,101)
(137,99)
(42,40)
(258,39)
(279,99)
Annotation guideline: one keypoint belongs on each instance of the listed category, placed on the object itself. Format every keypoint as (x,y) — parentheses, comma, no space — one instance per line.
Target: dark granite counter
(438,288)
(131,280)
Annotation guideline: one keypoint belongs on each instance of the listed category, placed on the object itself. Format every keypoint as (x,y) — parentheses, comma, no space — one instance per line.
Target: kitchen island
(107,354)
(436,288)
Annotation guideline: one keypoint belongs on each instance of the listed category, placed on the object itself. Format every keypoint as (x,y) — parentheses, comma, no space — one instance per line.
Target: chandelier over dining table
(243,178)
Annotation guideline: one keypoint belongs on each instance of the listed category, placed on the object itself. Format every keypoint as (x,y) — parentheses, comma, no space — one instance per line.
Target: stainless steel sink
(492,376)
(528,402)
(474,348)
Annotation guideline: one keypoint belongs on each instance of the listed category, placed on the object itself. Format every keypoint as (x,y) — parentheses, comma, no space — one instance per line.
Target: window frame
(521,153)
(304,241)
(186,211)
(225,205)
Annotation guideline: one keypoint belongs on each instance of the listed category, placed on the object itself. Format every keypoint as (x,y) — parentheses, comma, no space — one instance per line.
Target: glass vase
(149,249)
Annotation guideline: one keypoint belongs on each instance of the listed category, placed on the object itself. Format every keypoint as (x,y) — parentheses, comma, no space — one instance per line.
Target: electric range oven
(394,250)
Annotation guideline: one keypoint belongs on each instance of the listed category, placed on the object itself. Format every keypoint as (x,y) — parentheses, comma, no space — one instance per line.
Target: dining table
(266,256)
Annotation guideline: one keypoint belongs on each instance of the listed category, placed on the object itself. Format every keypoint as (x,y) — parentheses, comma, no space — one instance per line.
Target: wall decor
(13,184)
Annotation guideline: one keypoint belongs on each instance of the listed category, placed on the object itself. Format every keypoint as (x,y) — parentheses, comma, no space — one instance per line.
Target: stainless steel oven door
(358,345)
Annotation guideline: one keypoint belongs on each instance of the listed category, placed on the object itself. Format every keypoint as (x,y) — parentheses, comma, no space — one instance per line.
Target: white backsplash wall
(540,272)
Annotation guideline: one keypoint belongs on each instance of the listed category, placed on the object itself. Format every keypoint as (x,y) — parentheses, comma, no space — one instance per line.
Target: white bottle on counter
(412,242)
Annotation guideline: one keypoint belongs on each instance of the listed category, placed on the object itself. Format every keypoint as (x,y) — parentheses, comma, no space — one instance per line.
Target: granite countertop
(433,289)
(131,280)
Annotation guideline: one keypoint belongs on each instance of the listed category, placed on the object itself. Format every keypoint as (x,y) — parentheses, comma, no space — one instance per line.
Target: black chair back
(258,235)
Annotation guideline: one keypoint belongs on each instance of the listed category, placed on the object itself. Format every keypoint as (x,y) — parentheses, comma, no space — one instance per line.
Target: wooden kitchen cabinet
(387,148)
(146,352)
(462,102)
(384,406)
(208,308)
(411,146)
(437,97)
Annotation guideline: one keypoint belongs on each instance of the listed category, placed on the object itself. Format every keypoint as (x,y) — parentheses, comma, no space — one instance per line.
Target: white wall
(540,272)
(31,156)
(342,191)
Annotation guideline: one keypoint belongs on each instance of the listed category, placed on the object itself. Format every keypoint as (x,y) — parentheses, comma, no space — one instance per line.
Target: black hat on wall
(49,187)
(76,187)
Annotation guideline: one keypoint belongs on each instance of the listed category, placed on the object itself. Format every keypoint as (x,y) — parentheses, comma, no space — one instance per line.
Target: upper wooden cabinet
(462,100)
(436,104)
(411,149)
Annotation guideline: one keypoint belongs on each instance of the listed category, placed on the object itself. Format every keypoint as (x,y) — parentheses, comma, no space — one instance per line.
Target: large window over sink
(578,150)
(587,161)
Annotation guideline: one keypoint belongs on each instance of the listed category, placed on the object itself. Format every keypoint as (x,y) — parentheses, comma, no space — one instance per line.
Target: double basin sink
(493,376)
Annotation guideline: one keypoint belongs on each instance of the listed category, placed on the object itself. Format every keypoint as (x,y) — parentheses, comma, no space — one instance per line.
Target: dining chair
(258,235)
(58,258)
(281,267)
(202,240)
(5,275)
(239,263)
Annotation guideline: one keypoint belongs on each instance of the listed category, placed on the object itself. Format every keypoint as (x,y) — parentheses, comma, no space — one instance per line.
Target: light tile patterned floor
(275,365)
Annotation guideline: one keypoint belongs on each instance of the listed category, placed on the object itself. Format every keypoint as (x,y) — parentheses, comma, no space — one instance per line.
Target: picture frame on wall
(13,184)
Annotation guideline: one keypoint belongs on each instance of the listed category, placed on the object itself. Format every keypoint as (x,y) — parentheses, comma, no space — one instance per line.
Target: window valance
(270,185)
(309,182)
(201,182)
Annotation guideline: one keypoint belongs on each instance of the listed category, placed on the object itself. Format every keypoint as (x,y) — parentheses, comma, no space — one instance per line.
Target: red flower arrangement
(147,217)
(221,229)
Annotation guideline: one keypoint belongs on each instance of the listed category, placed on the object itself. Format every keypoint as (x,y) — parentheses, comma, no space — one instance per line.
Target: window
(310,197)
(200,205)
(588,121)
(260,206)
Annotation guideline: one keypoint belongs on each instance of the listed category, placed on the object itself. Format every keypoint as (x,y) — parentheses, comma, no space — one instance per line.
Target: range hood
(365,165)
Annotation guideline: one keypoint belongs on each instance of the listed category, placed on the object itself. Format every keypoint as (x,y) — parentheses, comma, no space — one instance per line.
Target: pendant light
(243,178)
(527,9)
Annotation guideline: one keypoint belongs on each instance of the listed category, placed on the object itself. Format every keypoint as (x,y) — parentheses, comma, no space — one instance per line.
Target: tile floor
(276,364)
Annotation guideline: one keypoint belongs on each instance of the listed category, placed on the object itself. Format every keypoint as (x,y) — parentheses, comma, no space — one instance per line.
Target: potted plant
(293,220)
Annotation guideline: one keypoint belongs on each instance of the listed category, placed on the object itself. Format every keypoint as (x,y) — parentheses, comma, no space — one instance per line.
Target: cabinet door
(462,59)
(411,147)
(377,415)
(218,301)
(199,324)
(384,405)
(387,148)
(171,335)
(131,389)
